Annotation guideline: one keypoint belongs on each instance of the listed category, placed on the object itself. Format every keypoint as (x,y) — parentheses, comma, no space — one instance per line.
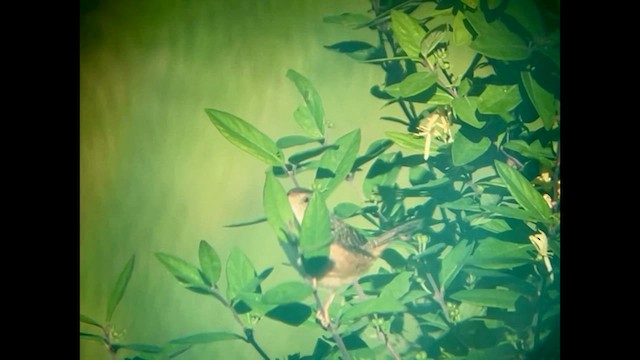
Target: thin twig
(248,332)
(334,334)
(438,296)
(385,338)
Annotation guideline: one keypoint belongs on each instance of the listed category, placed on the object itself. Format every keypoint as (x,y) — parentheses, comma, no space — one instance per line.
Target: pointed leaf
(311,98)
(336,164)
(92,337)
(453,262)
(186,273)
(307,122)
(397,287)
(406,140)
(209,262)
(240,272)
(461,36)
(499,99)
(346,210)
(247,222)
(463,203)
(253,286)
(495,40)
(383,172)
(527,14)
(412,85)
(504,299)
(407,32)
(542,100)
(348,19)
(295,140)
(121,285)
(207,337)
(293,314)
(464,151)
(287,292)
(465,109)
(358,50)
(376,148)
(301,156)
(510,212)
(276,207)
(246,136)
(524,193)
(492,253)
(315,232)
(87,320)
(381,305)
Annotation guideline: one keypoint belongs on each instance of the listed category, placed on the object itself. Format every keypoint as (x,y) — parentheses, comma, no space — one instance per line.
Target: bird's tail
(400,232)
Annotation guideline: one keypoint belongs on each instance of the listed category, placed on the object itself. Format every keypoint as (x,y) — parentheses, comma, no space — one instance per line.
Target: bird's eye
(305,199)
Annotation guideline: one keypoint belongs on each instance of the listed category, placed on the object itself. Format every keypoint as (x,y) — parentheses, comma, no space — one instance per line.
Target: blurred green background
(155,175)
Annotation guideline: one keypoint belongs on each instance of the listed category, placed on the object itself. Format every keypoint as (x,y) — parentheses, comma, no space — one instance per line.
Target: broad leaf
(407,32)
(504,299)
(496,226)
(463,203)
(510,212)
(315,233)
(398,286)
(207,337)
(465,109)
(307,122)
(287,292)
(406,140)
(186,273)
(453,262)
(209,262)
(492,253)
(310,96)
(246,136)
(346,210)
(499,99)
(336,164)
(380,305)
(121,285)
(464,151)
(292,314)
(295,140)
(301,156)
(383,172)
(495,40)
(461,35)
(527,14)
(524,193)
(412,85)
(276,207)
(240,272)
(92,337)
(542,100)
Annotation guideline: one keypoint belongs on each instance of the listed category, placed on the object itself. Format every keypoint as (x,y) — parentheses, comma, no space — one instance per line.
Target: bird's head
(299,199)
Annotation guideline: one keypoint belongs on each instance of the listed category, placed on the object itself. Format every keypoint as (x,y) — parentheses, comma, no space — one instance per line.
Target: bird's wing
(405,229)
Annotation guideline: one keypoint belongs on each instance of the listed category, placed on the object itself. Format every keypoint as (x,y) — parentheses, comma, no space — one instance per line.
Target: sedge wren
(350,253)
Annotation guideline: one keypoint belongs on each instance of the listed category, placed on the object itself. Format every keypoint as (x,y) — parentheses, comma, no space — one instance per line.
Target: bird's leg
(359,290)
(322,313)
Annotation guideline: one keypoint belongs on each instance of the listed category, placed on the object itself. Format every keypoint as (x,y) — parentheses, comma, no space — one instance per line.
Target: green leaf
(315,232)
(412,85)
(186,273)
(247,222)
(311,98)
(383,172)
(358,50)
(287,292)
(434,320)
(397,287)
(301,156)
(380,305)
(464,151)
(209,262)
(492,253)
(307,122)
(295,140)
(375,148)
(465,109)
(240,272)
(504,299)
(463,203)
(495,40)
(336,164)
(496,226)
(87,320)
(527,14)
(542,100)
(121,285)
(509,212)
(406,140)
(346,210)
(246,136)
(348,19)
(440,97)
(293,314)
(407,32)
(254,285)
(461,36)
(207,337)
(499,99)
(453,262)
(92,337)
(276,206)
(524,193)
(468,311)
(145,348)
